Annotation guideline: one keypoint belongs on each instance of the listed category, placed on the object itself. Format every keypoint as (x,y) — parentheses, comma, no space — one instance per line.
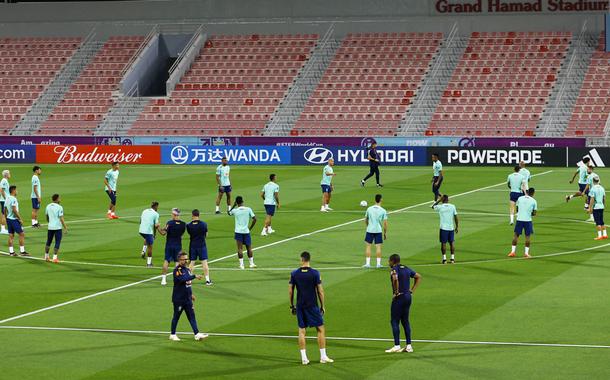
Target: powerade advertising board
(500,157)
(389,156)
(242,155)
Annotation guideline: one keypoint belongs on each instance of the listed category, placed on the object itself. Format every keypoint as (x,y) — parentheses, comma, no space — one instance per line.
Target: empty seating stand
(90,97)
(501,85)
(369,84)
(27,66)
(593,103)
(232,88)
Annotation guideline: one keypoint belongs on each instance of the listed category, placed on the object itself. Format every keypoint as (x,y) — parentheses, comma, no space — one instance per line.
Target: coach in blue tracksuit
(182,297)
(401,276)
(373,158)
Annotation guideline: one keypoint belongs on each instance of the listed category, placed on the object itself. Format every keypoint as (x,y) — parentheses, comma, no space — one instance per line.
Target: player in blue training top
(437,176)
(183,298)
(526,208)
(110,182)
(373,158)
(174,229)
(401,301)
(597,203)
(582,181)
(198,231)
(242,235)
(448,228)
(36,195)
(223,181)
(308,283)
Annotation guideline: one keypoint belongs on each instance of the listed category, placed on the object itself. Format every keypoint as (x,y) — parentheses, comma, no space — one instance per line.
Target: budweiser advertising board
(98,154)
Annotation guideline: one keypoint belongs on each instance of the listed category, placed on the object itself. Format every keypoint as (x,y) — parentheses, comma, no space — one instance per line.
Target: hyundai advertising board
(389,156)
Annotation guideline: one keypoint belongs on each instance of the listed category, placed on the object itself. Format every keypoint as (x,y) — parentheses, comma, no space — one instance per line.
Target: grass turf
(486,297)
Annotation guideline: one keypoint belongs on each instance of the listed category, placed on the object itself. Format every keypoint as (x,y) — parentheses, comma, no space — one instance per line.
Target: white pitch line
(234,254)
(271,336)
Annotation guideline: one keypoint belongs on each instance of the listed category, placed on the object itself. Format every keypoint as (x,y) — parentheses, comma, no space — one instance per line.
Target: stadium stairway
(122,115)
(54,93)
(556,117)
(290,108)
(424,103)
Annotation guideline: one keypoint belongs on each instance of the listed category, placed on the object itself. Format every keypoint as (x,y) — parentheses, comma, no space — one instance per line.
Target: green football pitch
(100,314)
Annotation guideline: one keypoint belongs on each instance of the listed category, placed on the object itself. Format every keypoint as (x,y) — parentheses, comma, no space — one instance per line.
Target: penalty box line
(272,336)
(235,254)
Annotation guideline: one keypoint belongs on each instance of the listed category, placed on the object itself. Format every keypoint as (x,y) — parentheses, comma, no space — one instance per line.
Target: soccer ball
(363,204)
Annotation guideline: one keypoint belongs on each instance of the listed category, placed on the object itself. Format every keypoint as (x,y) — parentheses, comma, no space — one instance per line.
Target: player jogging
(309,288)
(36,195)
(527,176)
(516,184)
(448,228)
(590,175)
(401,276)
(327,187)
(223,181)
(242,216)
(198,231)
(271,200)
(4,193)
(582,181)
(14,222)
(55,217)
(437,176)
(376,220)
(174,230)
(526,208)
(596,207)
(110,181)
(373,158)
(149,226)
(183,298)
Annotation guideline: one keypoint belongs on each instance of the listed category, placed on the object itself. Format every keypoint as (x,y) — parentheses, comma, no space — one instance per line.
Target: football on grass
(363,204)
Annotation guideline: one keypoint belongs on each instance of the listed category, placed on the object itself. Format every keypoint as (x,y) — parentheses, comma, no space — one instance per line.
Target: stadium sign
(473,156)
(518,6)
(17,153)
(97,154)
(243,155)
(392,156)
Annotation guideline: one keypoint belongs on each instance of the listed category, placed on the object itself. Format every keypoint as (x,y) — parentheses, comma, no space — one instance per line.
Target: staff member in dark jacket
(373,158)
(182,297)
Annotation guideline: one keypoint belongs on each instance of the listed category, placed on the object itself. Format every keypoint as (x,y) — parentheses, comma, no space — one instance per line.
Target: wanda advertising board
(98,154)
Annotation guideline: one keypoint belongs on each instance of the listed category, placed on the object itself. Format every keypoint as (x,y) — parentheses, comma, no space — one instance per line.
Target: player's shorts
(112,196)
(225,189)
(581,187)
(246,239)
(57,234)
(35,204)
(435,188)
(445,236)
(371,238)
(200,253)
(270,210)
(400,307)
(326,189)
(527,226)
(171,252)
(149,238)
(309,317)
(14,227)
(598,216)
(514,196)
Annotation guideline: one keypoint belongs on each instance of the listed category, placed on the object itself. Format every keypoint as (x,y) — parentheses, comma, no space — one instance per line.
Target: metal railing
(188,45)
(562,90)
(130,64)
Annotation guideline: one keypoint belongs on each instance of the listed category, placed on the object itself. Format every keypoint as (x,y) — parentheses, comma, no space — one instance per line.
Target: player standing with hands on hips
(373,158)
(327,187)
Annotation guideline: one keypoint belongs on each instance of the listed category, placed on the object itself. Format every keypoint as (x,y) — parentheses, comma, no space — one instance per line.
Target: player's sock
(604,233)
(109,212)
(304,355)
(54,257)
(586,205)
(512,218)
(46,256)
(11,250)
(207,278)
(149,260)
(599,234)
(322,352)
(452,256)
(527,250)
(513,249)
(217,208)
(21,248)
(379,261)
(251,260)
(144,247)
(368,261)
(112,213)
(34,222)
(444,257)
(241,262)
